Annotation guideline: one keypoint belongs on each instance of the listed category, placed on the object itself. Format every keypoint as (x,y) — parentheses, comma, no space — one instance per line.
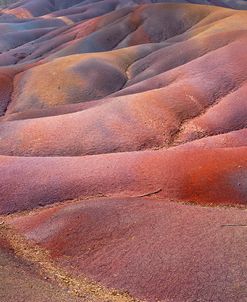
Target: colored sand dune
(123,150)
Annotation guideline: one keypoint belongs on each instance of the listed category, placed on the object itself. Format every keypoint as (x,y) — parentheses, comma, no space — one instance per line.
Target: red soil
(156,251)
(124,100)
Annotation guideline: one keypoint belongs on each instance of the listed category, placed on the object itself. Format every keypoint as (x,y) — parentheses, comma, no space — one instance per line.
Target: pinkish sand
(123,151)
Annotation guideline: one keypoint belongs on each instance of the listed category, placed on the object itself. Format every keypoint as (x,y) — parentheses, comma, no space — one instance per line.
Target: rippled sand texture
(123,148)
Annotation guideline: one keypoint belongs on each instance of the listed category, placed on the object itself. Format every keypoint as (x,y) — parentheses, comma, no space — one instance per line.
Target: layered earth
(123,151)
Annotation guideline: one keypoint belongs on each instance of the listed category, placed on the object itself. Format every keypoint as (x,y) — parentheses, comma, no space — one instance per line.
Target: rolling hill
(123,148)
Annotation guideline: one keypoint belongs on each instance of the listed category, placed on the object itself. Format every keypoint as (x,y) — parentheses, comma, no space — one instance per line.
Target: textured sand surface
(19,282)
(123,150)
(147,247)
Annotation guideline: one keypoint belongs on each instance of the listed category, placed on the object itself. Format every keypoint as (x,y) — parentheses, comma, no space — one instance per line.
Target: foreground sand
(123,151)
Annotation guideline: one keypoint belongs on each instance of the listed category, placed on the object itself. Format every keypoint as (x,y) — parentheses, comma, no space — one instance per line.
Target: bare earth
(123,151)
